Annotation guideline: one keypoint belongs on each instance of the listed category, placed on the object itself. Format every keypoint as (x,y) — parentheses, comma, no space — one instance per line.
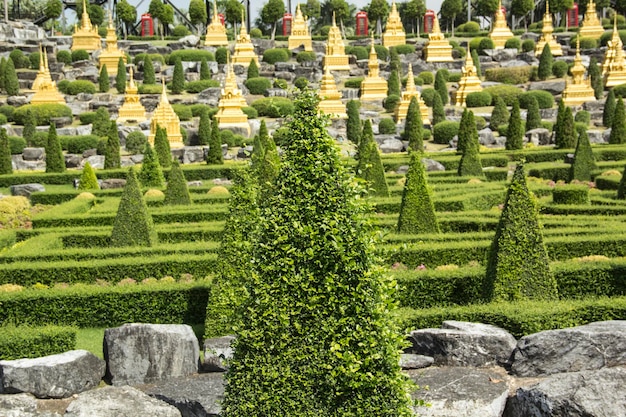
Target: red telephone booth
(361,23)
(147,25)
(572,16)
(429,21)
(222,18)
(287,19)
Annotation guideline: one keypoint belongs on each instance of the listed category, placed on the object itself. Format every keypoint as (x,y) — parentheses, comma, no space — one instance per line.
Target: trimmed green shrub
(64,57)
(178,78)
(133,224)
(88,179)
(370,167)
(151,174)
(250,112)
(87,118)
(177,192)
(382,52)
(205,73)
(54,154)
(360,52)
(353,124)
(571,194)
(152,57)
(258,85)
(428,95)
(391,102)
(607,35)
(214,156)
(508,93)
(11,83)
(353,82)
(404,49)
(120,78)
(414,127)
(112,151)
(441,87)
(545,63)
(5,153)
(515,131)
(253,70)
(478,99)
(619,90)
(533,117)
(514,43)
(585,43)
(511,75)
(180,31)
(621,190)
(387,127)
(499,114)
(16,145)
(545,100)
(30,126)
(476,62)
(78,144)
(273,107)
(564,131)
(162,147)
(301,83)
(190,55)
(528,45)
(393,84)
(19,59)
(136,142)
(597,82)
(518,264)
(609,109)
(417,211)
(101,123)
(183,111)
(148,70)
(149,88)
(307,56)
(427,77)
(559,69)
(454,77)
(439,114)
(466,128)
(18,342)
(445,131)
(582,116)
(200,85)
(221,55)
(618,127)
(470,164)
(80,55)
(272,56)
(81,86)
(104,84)
(63,86)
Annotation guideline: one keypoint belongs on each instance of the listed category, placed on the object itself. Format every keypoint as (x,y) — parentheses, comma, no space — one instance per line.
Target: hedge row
(17,342)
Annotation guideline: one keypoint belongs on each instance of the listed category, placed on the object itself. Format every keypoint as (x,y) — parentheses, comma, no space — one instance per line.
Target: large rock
(500,55)
(553,87)
(464,344)
(34,154)
(19,164)
(198,395)
(26,189)
(410,361)
(392,145)
(192,154)
(460,392)
(539,136)
(217,351)
(112,183)
(119,402)
(96,161)
(144,353)
(595,136)
(189,40)
(432,165)
(54,376)
(22,405)
(486,137)
(592,346)
(597,393)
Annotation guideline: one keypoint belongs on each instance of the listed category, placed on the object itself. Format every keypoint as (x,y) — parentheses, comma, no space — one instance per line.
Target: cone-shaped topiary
(317,309)
(54,153)
(205,74)
(178,78)
(151,174)
(162,147)
(3,67)
(30,127)
(204,128)
(417,211)
(6,164)
(439,114)
(353,124)
(414,127)
(88,179)
(370,167)
(596,78)
(393,85)
(267,166)
(476,62)
(470,164)
(253,70)
(584,161)
(545,63)
(133,224)
(621,191)
(148,70)
(441,87)
(11,83)
(564,129)
(515,133)
(104,84)
(499,114)
(467,126)
(101,122)
(533,117)
(112,149)
(120,78)
(609,109)
(618,128)
(394,59)
(177,192)
(518,266)
(214,156)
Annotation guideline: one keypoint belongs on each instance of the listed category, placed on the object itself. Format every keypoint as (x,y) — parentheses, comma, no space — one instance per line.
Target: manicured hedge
(510,75)
(42,113)
(194,55)
(17,342)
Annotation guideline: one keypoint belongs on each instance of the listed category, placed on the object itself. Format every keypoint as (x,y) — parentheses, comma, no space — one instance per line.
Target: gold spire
(243,30)
(131,81)
(334,22)
(330,98)
(394,31)
(373,87)
(469,82)
(410,82)
(579,90)
(163,92)
(41,54)
(244,49)
(546,35)
(438,48)
(407,95)
(215,31)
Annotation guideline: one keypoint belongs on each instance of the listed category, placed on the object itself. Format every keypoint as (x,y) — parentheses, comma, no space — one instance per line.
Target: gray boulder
(96,161)
(553,87)
(19,164)
(112,183)
(193,154)
(486,137)
(144,353)
(460,392)
(119,402)
(464,344)
(598,393)
(606,135)
(26,189)
(500,55)
(189,40)
(391,145)
(54,376)
(22,405)
(34,154)
(432,165)
(411,361)
(539,136)
(592,346)
(217,351)
(595,136)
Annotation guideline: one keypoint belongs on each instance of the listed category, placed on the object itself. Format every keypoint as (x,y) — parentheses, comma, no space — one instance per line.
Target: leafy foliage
(148,70)
(545,63)
(470,160)
(112,150)
(441,87)
(162,147)
(564,131)
(618,126)
(102,122)
(177,192)
(30,126)
(204,128)
(533,117)
(6,166)
(54,154)
(178,79)
(370,167)
(499,114)
(353,124)
(609,109)
(214,156)
(515,134)
(596,78)
(120,78)
(151,174)
(11,83)
(18,342)
(417,211)
(88,179)
(439,114)
(104,84)
(393,84)
(584,161)
(414,127)
(136,141)
(253,70)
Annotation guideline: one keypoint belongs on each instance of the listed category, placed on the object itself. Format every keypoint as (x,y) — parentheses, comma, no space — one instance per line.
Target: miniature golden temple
(579,90)
(86,36)
(394,31)
(111,55)
(373,87)
(132,109)
(330,98)
(469,82)
(500,32)
(438,49)
(165,117)
(591,26)
(231,102)
(46,91)
(244,50)
(216,31)
(300,32)
(407,95)
(614,64)
(547,37)
(336,58)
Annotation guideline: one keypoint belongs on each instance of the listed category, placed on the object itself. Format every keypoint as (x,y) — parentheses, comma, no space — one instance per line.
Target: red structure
(147,25)
(362,23)
(287,20)
(429,21)
(222,18)
(572,16)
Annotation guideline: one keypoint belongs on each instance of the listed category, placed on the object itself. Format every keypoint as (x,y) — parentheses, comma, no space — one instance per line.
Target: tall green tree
(476,62)
(162,147)
(486,8)
(441,87)
(205,73)
(198,14)
(564,130)
(148,70)
(499,114)
(439,114)
(214,156)
(522,8)
(11,83)
(151,174)
(393,84)
(178,78)
(467,126)
(112,149)
(30,127)
(253,70)
(313,248)
(584,160)
(414,127)
(417,210)
(101,123)
(449,10)
(3,68)
(271,13)
(618,128)
(88,179)
(470,164)
(377,11)
(518,266)
(127,13)
(54,153)
(204,128)
(353,124)
(233,10)
(533,117)
(412,11)
(120,78)
(609,109)
(515,133)
(177,192)
(545,63)
(104,84)
(596,78)
(6,164)
(370,167)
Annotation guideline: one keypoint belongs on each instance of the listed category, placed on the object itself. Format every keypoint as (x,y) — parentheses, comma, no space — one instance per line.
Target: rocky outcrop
(26,189)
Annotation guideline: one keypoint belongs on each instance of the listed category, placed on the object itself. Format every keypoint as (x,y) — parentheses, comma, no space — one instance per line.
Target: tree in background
(30,127)
(11,83)
(353,124)
(609,109)
(214,156)
(53,9)
(198,15)
(560,7)
(449,10)
(470,164)
(127,13)
(96,13)
(178,78)
(148,70)
(596,78)
(151,174)
(6,164)
(486,8)
(54,153)
(515,133)
(370,167)
(177,192)
(545,63)
(162,147)
(417,210)
(521,8)
(88,179)
(120,78)
(476,62)
(533,117)
(253,69)
(205,73)
(499,114)
(112,149)
(584,160)
(204,128)
(267,163)
(564,130)
(233,10)
(411,13)
(621,191)
(104,84)
(3,69)
(271,13)
(312,9)
(441,87)
(618,128)
(101,122)
(414,127)
(377,12)
(439,114)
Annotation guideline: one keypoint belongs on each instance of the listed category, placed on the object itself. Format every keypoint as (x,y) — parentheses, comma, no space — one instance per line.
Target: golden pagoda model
(614,64)
(438,48)
(591,26)
(216,31)
(500,32)
(394,31)
(579,90)
(244,50)
(547,37)
(231,103)
(407,95)
(330,98)
(46,91)
(132,109)
(86,36)
(373,87)
(300,32)
(336,58)
(165,117)
(111,55)
(469,82)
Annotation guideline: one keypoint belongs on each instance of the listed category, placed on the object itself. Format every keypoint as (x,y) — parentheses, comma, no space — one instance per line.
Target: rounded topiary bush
(80,55)
(479,44)
(353,82)
(273,107)
(428,95)
(274,55)
(391,102)
(559,69)
(190,55)
(404,49)
(571,194)
(508,93)
(301,83)
(427,77)
(200,85)
(582,116)
(445,131)
(34,60)
(64,57)
(280,83)
(221,55)
(136,142)
(42,112)
(387,127)
(305,56)
(19,59)
(469,27)
(258,85)
(256,33)
(250,112)
(528,45)
(360,52)
(81,86)
(87,118)
(544,99)
(619,90)
(180,30)
(454,77)
(478,99)
(183,111)
(513,43)
(606,36)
